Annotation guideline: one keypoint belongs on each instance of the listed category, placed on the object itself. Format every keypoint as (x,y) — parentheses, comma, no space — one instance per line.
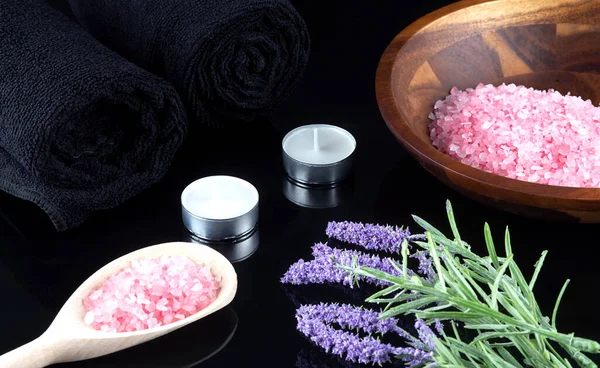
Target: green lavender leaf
(485,326)
(436,261)
(492,335)
(405,258)
(387,291)
(468,349)
(453,269)
(507,245)
(408,306)
(519,303)
(467,274)
(494,302)
(396,266)
(454,316)
(563,361)
(427,226)
(450,357)
(484,274)
(403,298)
(508,357)
(489,241)
(438,308)
(558,300)
(538,268)
(452,221)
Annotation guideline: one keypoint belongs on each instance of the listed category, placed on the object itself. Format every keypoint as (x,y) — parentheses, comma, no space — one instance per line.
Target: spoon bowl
(69,339)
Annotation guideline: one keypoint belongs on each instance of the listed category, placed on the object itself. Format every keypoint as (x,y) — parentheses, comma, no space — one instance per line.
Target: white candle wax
(319,144)
(219,197)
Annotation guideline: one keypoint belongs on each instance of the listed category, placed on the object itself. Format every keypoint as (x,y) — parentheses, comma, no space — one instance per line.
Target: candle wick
(316,139)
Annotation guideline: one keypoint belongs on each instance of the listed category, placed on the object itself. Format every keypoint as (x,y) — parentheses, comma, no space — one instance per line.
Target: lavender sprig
(323,269)
(511,329)
(314,322)
(370,236)
(351,317)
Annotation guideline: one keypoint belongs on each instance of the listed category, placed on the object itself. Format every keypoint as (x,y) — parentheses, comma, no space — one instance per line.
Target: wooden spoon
(69,339)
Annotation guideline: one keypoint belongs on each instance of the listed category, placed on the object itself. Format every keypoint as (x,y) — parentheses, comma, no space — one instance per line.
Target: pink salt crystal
(522,133)
(89,318)
(151,293)
(96,294)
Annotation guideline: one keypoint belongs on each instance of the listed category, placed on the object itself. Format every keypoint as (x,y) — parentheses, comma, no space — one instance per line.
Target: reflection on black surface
(183,348)
(317,196)
(313,358)
(314,294)
(235,251)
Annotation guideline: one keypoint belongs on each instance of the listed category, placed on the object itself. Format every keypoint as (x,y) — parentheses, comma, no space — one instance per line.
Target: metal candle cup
(318,154)
(218,208)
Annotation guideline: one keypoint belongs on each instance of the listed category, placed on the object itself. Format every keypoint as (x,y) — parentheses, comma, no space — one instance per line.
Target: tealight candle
(318,154)
(219,208)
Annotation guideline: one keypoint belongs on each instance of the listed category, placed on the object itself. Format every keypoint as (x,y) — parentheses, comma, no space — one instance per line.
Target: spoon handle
(36,354)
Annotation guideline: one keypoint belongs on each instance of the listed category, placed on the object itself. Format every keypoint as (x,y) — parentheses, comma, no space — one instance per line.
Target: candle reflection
(183,348)
(317,196)
(237,250)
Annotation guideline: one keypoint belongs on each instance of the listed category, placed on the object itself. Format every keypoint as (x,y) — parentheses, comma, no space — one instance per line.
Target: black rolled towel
(81,128)
(228,59)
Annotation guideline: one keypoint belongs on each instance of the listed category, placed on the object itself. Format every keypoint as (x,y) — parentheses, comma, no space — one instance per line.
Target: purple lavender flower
(417,357)
(425,334)
(351,317)
(323,268)
(439,327)
(345,344)
(314,322)
(425,264)
(370,236)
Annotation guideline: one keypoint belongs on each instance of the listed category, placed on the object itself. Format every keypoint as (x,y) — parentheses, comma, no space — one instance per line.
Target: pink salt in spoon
(69,339)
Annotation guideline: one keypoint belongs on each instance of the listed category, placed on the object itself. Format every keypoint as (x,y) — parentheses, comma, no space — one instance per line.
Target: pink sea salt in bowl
(72,337)
(479,44)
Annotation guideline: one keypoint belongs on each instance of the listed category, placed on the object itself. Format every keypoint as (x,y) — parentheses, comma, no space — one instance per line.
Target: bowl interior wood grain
(544,44)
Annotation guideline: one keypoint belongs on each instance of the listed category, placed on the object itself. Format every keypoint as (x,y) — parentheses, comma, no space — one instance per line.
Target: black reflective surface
(39,269)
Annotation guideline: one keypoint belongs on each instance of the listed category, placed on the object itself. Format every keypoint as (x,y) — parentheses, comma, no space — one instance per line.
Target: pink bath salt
(521,133)
(151,293)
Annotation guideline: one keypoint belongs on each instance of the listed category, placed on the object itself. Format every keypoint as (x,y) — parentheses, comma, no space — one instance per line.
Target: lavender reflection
(316,359)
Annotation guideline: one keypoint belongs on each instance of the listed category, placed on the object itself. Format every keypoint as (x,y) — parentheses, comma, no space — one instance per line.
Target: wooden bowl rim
(397,123)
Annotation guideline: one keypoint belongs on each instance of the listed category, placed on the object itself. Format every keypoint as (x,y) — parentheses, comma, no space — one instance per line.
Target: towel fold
(228,59)
(81,128)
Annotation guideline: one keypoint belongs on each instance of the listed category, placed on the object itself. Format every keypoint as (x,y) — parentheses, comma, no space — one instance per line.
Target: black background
(39,268)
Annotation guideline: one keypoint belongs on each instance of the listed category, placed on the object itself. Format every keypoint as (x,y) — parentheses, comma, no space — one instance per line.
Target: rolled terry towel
(228,59)
(81,128)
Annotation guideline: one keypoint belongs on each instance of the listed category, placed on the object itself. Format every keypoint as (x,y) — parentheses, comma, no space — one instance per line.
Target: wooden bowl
(537,43)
